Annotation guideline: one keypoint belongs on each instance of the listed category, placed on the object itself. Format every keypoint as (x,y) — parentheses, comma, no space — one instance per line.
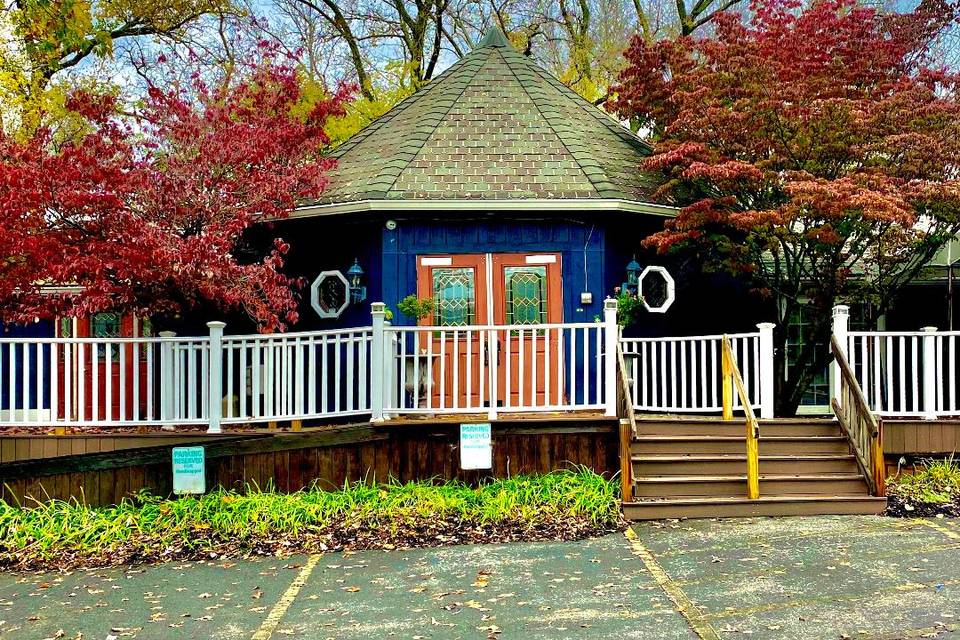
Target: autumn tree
(150,216)
(813,152)
(42,38)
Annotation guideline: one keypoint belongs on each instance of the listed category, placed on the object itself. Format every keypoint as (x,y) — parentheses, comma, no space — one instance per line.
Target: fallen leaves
(355,535)
(483,579)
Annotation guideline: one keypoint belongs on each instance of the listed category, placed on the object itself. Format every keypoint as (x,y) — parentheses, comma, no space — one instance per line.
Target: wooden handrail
(733,379)
(863,429)
(628,427)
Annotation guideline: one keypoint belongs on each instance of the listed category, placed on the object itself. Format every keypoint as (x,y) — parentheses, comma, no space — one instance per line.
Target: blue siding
(43,329)
(706,303)
(581,246)
(325,244)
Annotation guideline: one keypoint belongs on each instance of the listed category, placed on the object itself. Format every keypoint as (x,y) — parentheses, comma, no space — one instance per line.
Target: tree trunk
(812,358)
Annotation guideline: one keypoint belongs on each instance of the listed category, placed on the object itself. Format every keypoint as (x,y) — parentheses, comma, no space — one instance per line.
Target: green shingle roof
(493,126)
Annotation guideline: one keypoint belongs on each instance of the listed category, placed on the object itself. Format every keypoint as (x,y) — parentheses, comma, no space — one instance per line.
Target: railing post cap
(167,334)
(766,325)
(929,329)
(378,307)
(610,303)
(841,309)
(216,324)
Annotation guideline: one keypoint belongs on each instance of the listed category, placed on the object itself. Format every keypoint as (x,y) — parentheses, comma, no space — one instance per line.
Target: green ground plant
(935,481)
(151,527)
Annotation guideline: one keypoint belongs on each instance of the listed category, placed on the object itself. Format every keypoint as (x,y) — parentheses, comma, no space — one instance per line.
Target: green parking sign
(189,475)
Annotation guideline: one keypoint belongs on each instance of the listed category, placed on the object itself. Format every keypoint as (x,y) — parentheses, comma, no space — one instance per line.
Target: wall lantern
(358,292)
(667,284)
(632,283)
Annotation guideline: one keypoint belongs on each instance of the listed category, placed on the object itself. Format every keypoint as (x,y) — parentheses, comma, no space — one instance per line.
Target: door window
(526,294)
(454,293)
(106,325)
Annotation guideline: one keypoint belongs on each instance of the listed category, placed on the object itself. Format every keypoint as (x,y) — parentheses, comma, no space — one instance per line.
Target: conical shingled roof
(493,126)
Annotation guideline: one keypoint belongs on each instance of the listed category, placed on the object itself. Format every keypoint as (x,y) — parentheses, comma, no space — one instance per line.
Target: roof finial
(494,37)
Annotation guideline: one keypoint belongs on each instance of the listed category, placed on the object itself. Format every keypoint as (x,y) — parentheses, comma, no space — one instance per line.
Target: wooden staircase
(697,468)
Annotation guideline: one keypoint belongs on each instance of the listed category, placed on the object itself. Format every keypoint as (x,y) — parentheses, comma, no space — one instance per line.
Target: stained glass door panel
(454,296)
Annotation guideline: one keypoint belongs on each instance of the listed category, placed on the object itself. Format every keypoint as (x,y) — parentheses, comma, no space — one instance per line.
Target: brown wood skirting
(15,448)
(328,457)
(920,437)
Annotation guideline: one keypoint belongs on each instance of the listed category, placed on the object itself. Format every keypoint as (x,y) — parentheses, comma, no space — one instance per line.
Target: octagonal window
(657,289)
(330,294)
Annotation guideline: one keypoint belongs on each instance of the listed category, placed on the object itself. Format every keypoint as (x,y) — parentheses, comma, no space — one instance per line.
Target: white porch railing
(294,376)
(379,370)
(684,374)
(513,368)
(516,368)
(104,382)
(902,373)
(167,380)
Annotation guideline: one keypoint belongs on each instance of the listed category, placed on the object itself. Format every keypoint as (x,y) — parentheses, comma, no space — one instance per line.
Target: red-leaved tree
(814,153)
(148,214)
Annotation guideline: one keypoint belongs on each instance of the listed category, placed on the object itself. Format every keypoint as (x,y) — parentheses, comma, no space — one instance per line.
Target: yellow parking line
(933,524)
(272,621)
(680,601)
(796,603)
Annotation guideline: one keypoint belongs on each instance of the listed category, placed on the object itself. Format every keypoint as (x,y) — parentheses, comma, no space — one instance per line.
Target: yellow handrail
(628,427)
(732,379)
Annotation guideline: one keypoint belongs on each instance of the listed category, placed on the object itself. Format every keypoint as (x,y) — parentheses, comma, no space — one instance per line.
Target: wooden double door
(516,291)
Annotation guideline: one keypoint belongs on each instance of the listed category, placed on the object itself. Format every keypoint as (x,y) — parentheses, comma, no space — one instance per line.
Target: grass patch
(559,505)
(933,488)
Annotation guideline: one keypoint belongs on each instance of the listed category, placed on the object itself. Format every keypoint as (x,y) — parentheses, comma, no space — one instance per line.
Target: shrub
(415,308)
(562,504)
(935,482)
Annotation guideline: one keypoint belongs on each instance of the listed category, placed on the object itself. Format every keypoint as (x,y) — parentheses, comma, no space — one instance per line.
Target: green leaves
(416,308)
(812,151)
(58,533)
(934,482)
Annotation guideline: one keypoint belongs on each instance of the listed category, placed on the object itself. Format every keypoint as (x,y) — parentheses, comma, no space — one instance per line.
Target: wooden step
(736,464)
(736,427)
(799,505)
(769,445)
(827,484)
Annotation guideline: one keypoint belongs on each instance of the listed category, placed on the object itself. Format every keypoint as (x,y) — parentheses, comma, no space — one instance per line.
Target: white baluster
(929,373)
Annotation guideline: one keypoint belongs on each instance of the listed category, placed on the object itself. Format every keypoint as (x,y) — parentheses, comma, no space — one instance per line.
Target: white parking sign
(188,470)
(476,446)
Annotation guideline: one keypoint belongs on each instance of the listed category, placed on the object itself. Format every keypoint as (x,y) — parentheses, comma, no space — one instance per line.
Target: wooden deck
(921,437)
(288,460)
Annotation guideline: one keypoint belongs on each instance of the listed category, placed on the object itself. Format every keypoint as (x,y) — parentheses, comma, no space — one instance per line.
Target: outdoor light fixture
(632,284)
(358,292)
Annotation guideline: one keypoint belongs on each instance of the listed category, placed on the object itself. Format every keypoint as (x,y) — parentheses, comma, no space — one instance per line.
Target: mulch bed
(899,507)
(420,533)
